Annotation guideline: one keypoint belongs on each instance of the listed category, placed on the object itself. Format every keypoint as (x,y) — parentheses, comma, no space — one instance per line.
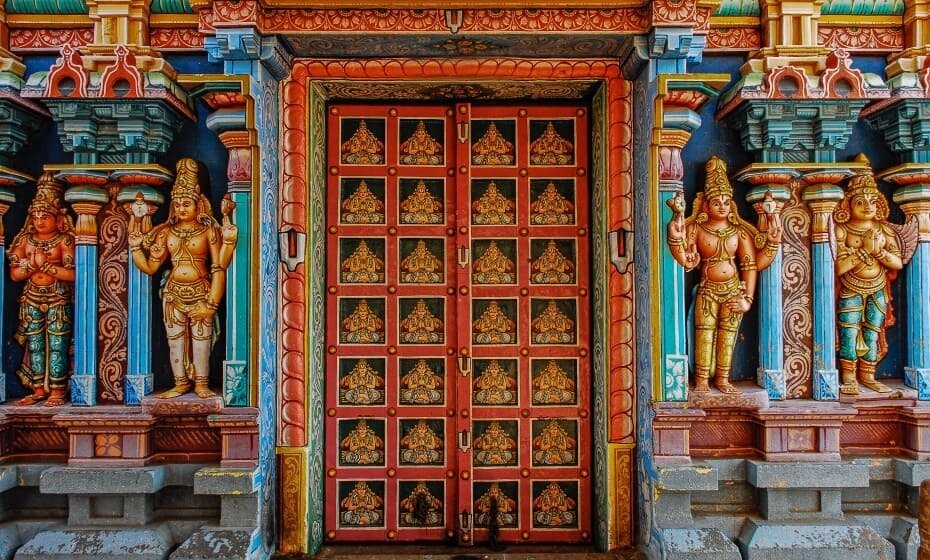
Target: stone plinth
(760,540)
(672,432)
(801,433)
(239,436)
(111,440)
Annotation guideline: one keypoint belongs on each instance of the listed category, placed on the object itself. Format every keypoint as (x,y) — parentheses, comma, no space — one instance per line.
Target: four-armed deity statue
(200,249)
(869,252)
(42,254)
(730,252)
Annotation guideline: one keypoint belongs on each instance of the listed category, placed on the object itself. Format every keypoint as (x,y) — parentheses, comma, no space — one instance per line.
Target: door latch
(463,132)
(465,440)
(463,257)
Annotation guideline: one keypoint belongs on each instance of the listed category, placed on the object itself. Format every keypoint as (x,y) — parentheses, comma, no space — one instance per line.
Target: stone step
(442,552)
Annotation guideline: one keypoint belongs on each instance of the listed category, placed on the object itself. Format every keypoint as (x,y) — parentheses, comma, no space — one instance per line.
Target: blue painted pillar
(914,200)
(139,197)
(86,197)
(773,180)
(822,198)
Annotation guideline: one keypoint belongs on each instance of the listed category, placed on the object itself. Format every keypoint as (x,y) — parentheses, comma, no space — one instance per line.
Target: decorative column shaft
(86,197)
(139,197)
(914,199)
(229,121)
(822,198)
(772,181)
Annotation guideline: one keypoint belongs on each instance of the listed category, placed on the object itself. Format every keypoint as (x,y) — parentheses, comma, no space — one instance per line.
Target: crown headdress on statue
(48,195)
(186,184)
(717,184)
(864,181)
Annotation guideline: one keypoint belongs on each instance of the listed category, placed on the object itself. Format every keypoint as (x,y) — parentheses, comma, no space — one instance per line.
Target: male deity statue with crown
(200,249)
(42,253)
(731,252)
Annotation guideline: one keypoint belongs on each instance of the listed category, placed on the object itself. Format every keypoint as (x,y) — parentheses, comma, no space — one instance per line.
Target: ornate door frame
(303,351)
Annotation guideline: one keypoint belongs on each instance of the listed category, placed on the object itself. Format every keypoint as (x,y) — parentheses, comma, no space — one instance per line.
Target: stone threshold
(380,551)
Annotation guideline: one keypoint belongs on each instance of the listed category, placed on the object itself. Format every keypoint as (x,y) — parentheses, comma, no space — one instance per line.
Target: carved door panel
(457,378)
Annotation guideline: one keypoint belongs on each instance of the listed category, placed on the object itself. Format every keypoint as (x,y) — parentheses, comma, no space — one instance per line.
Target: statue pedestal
(801,433)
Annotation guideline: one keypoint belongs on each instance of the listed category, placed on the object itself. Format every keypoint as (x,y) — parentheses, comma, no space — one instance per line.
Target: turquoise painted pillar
(229,122)
(914,199)
(772,180)
(822,198)
(86,197)
(8,179)
(140,198)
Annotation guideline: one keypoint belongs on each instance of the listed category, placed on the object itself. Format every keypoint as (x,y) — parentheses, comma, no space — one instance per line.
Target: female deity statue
(42,253)
(731,252)
(200,249)
(869,252)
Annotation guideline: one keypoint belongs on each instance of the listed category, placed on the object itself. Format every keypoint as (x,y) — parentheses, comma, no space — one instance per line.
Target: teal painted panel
(56,7)
(738,8)
(863,8)
(171,7)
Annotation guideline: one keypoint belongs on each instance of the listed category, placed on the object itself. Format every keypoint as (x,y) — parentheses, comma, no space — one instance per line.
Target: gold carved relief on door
(458,388)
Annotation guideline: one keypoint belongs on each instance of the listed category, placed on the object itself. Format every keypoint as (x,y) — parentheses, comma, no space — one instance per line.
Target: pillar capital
(87,195)
(912,194)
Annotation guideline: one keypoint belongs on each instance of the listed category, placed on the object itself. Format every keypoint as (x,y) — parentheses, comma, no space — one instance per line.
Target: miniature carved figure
(551,149)
(421,207)
(421,508)
(494,326)
(42,253)
(731,252)
(363,385)
(494,386)
(495,446)
(493,208)
(421,266)
(362,326)
(494,267)
(869,252)
(421,326)
(495,499)
(200,249)
(421,148)
(553,507)
(421,385)
(363,148)
(362,206)
(362,446)
(421,445)
(551,208)
(553,386)
(553,446)
(363,265)
(493,148)
(362,507)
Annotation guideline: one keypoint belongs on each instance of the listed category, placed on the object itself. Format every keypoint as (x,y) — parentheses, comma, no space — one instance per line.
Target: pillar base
(918,378)
(84,390)
(773,381)
(826,385)
(137,386)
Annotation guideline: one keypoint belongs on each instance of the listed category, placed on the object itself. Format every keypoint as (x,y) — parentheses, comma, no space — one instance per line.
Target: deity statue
(553,446)
(362,326)
(492,149)
(200,249)
(505,505)
(362,206)
(421,266)
(493,208)
(363,148)
(494,326)
(495,446)
(731,253)
(553,386)
(421,446)
(494,386)
(421,148)
(552,267)
(421,207)
(421,508)
(362,446)
(363,266)
(421,326)
(493,267)
(421,385)
(363,385)
(551,208)
(362,507)
(42,253)
(551,149)
(552,326)
(553,507)
(869,252)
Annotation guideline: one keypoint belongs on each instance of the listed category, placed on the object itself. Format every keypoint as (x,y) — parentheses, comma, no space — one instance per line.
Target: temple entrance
(458,370)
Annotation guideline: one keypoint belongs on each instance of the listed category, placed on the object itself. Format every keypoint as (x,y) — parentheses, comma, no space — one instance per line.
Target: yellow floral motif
(552,267)
(108,445)
(551,149)
(362,207)
(493,208)
(492,149)
(553,326)
(551,208)
(493,267)
(363,148)
(363,266)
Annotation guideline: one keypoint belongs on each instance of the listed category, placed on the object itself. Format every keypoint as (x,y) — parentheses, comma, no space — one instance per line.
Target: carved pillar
(773,180)
(139,196)
(913,196)
(822,195)
(86,197)
(229,122)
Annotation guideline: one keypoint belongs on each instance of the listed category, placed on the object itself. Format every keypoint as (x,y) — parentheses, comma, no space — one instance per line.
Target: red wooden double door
(458,384)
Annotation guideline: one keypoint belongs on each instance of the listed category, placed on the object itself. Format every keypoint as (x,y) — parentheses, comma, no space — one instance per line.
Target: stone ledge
(805,541)
(82,480)
(686,478)
(148,543)
(218,543)
(225,481)
(696,544)
(807,475)
(911,472)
